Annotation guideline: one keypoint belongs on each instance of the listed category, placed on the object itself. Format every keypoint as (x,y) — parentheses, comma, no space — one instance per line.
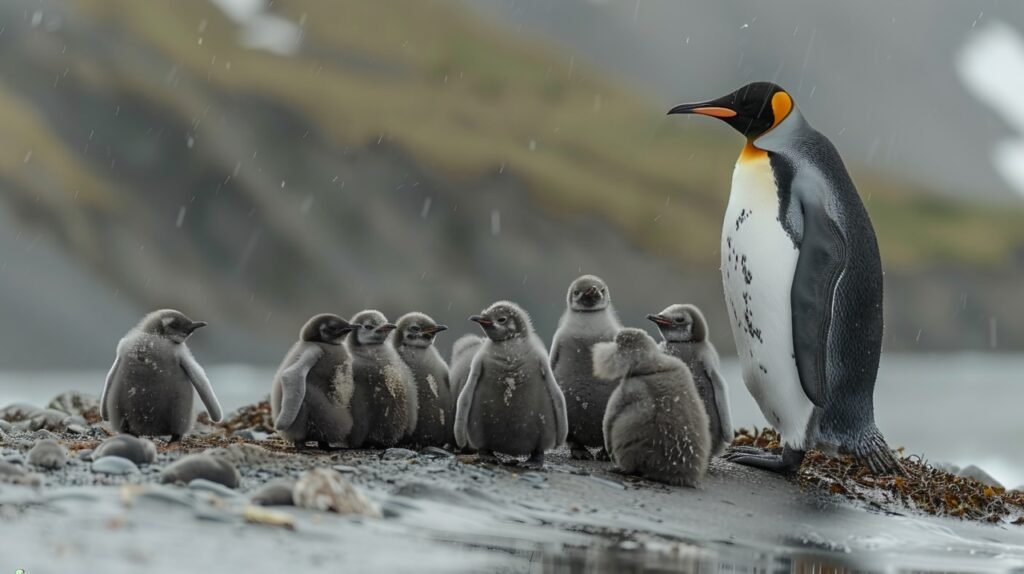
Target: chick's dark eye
(502,319)
(576,293)
(415,329)
(679,320)
(367,327)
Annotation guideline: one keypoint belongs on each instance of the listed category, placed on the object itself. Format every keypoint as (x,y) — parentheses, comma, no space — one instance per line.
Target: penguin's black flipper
(818,270)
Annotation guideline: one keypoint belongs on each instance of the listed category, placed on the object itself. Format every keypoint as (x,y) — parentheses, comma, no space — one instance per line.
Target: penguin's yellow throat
(782,105)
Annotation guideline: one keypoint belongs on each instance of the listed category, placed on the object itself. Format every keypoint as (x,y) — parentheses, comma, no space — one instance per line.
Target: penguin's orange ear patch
(715,112)
(782,104)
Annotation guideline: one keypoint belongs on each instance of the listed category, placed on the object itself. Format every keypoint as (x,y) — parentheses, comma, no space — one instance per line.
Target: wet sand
(445,513)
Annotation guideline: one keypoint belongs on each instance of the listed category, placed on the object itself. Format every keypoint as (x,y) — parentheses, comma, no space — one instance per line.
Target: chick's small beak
(196,325)
(658,319)
(387,327)
(435,329)
(482,320)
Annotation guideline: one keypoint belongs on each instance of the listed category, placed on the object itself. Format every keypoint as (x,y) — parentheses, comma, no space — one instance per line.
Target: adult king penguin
(803,284)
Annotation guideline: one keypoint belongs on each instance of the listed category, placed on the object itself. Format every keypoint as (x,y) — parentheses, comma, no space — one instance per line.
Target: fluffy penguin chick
(655,425)
(149,389)
(463,351)
(384,404)
(414,340)
(312,390)
(511,402)
(685,334)
(588,319)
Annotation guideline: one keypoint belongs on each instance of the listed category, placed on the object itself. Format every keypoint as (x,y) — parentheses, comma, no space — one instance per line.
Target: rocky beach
(234,497)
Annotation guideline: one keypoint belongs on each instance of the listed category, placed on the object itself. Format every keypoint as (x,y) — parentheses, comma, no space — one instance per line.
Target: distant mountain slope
(407,155)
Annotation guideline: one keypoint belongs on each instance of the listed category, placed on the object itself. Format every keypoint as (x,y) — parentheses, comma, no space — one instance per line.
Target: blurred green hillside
(466,99)
(377,164)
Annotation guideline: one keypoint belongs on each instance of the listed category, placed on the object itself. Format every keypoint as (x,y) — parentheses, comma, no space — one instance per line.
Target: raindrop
(495,222)
(533,145)
(425,210)
(190,142)
(181,217)
(37,18)
(306,205)
(28,156)
(282,184)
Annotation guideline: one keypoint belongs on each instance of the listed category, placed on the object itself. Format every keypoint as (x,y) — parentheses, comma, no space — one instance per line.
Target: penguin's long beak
(387,327)
(713,108)
(659,320)
(435,329)
(195,325)
(482,320)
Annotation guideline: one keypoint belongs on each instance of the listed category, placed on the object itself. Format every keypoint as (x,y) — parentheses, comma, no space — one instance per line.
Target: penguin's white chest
(758,264)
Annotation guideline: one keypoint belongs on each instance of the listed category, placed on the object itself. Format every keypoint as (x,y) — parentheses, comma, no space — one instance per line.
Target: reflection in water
(629,558)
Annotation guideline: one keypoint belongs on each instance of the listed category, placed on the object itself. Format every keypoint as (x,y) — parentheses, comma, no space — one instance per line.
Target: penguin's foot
(535,462)
(875,454)
(487,457)
(300,445)
(602,455)
(786,463)
(175,438)
(580,452)
(745,450)
(324,445)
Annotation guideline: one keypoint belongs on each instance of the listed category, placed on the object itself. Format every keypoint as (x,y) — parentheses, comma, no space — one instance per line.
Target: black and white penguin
(803,284)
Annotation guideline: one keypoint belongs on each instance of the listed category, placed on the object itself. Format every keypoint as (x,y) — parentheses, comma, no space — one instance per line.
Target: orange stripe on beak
(715,112)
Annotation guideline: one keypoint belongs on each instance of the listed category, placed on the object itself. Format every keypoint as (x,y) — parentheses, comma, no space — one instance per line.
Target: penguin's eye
(680,321)
(576,293)
(367,327)
(415,329)
(502,320)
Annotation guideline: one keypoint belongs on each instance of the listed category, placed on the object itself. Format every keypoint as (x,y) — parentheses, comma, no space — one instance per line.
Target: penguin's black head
(751,110)
(416,330)
(681,324)
(370,328)
(325,328)
(503,321)
(588,293)
(171,324)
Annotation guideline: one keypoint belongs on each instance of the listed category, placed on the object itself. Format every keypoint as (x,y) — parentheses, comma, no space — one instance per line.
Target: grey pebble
(607,482)
(194,466)
(277,492)
(15,458)
(345,469)
(435,451)
(48,453)
(15,474)
(114,465)
(202,484)
(5,426)
(77,429)
(398,454)
(164,494)
(18,412)
(135,449)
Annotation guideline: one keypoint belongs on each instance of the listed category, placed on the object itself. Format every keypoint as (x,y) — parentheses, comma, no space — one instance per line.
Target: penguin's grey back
(325,415)
(150,393)
(463,351)
(655,424)
(803,159)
